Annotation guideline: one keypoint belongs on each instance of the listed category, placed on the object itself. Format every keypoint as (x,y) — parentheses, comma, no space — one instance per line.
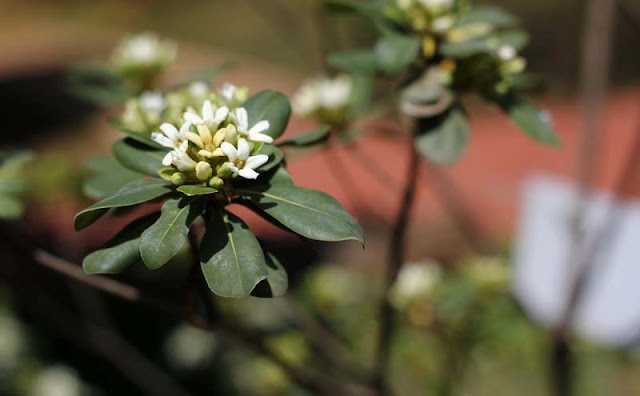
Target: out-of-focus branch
(596,53)
(397,255)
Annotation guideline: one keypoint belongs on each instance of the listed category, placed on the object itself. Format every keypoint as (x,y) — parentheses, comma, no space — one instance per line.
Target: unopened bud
(216,183)
(231,134)
(225,171)
(203,171)
(178,178)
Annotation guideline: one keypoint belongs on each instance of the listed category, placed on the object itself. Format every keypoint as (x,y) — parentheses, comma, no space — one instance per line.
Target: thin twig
(397,254)
(596,46)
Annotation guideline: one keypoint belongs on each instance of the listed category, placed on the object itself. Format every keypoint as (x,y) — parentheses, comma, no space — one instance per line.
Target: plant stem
(596,47)
(397,254)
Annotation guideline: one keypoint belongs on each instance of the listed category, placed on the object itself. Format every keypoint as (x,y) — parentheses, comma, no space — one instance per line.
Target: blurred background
(463,330)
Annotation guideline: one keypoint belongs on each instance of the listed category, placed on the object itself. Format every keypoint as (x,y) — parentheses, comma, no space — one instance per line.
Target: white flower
(57,381)
(172,138)
(181,159)
(209,118)
(228,91)
(190,348)
(415,281)
(323,92)
(404,4)
(335,93)
(436,3)
(442,23)
(255,133)
(240,162)
(198,89)
(506,52)
(152,102)
(145,49)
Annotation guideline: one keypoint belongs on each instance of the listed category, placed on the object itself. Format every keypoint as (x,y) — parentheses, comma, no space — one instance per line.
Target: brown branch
(397,253)
(596,48)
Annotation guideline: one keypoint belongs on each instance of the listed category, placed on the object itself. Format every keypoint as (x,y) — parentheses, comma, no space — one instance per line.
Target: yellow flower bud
(231,134)
(203,171)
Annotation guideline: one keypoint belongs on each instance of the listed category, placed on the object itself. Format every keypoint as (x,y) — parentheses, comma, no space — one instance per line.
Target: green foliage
(443,139)
(233,262)
(121,251)
(310,213)
(105,176)
(308,139)
(394,53)
(271,106)
(134,193)
(12,184)
(532,121)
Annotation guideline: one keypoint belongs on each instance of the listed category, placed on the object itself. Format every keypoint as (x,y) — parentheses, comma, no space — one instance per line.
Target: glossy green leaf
(363,62)
(276,156)
(121,251)
(96,82)
(105,177)
(271,106)
(193,190)
(161,241)
(141,137)
(138,157)
(536,123)
(487,14)
(394,53)
(232,260)
(277,280)
(312,214)
(133,193)
(443,139)
(517,39)
(308,139)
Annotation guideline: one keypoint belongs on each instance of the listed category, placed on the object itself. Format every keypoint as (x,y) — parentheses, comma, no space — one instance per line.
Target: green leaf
(96,82)
(443,139)
(394,53)
(312,214)
(537,124)
(10,207)
(121,251)
(138,157)
(517,39)
(277,175)
(232,260)
(141,137)
(354,61)
(105,177)
(487,14)
(275,157)
(311,138)
(160,242)
(192,190)
(277,281)
(271,106)
(133,193)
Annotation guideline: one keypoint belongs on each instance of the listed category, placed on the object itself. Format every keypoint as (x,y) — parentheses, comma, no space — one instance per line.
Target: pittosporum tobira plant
(217,150)
(437,50)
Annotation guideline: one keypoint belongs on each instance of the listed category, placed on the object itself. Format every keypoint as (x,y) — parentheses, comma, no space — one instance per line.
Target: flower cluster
(214,144)
(324,98)
(139,59)
(147,111)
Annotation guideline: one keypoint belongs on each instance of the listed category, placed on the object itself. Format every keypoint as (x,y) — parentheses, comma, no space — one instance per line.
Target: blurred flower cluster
(325,99)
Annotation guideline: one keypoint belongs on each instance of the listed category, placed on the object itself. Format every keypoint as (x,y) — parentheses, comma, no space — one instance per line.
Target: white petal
(243,118)
(168,159)
(169,130)
(221,114)
(260,137)
(183,130)
(207,111)
(233,168)
(256,161)
(192,118)
(260,127)
(243,149)
(163,140)
(228,90)
(229,150)
(248,173)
